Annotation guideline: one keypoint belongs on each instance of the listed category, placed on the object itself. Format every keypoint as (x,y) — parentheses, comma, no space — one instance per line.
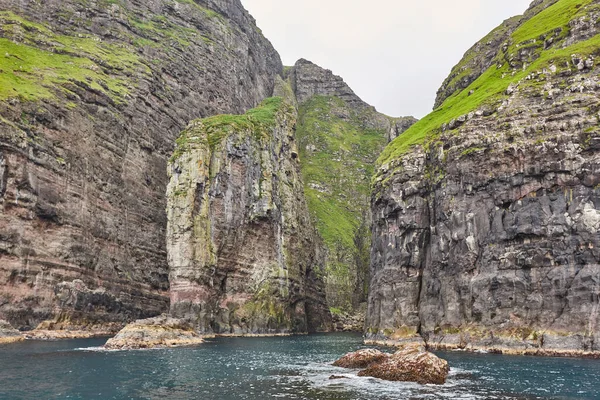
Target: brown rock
(156,332)
(410,364)
(361,359)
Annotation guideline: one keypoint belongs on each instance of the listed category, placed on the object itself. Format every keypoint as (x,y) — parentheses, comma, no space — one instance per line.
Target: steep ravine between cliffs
(487,211)
(246,194)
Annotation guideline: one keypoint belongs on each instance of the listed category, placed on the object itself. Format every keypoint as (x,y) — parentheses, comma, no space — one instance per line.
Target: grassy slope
(492,84)
(341,164)
(41,61)
(213,130)
(36,63)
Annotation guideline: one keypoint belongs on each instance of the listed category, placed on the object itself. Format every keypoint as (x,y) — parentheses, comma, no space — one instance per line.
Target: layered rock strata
(244,256)
(486,222)
(92,97)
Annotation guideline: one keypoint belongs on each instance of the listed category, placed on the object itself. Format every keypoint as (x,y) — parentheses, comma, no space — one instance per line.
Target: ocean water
(271,368)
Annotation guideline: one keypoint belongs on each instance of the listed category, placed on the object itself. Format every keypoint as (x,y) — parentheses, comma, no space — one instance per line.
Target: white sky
(393,53)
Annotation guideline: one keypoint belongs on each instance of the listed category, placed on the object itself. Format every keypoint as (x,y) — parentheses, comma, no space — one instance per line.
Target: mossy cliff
(92,96)
(487,211)
(340,137)
(244,256)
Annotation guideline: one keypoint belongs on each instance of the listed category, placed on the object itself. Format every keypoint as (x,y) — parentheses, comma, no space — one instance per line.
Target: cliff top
(539,45)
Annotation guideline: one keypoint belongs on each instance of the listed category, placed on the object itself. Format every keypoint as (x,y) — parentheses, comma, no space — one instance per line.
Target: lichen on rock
(243,254)
(361,359)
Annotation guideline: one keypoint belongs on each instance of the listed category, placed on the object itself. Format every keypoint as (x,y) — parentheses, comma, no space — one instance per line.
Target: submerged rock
(156,332)
(361,359)
(8,334)
(410,364)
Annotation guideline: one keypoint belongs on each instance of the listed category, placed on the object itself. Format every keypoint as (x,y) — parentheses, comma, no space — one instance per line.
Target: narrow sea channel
(271,368)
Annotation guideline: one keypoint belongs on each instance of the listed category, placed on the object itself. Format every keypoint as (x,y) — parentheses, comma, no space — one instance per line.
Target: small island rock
(410,364)
(361,359)
(155,332)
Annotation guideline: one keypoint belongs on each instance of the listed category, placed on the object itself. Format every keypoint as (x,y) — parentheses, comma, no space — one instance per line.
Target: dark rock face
(309,79)
(104,88)
(243,254)
(489,236)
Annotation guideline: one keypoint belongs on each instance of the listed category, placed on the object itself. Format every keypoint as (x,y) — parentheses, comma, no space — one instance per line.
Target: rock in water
(361,358)
(156,332)
(410,364)
(8,334)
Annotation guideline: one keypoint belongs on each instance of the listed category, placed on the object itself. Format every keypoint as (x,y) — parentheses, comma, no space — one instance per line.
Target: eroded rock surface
(244,256)
(410,364)
(104,89)
(361,358)
(155,332)
(486,231)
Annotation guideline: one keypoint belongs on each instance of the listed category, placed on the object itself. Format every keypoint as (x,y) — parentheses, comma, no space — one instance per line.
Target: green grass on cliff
(260,121)
(40,61)
(490,87)
(336,171)
(337,153)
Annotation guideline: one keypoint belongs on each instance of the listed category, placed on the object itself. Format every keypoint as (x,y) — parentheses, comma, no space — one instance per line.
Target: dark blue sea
(271,368)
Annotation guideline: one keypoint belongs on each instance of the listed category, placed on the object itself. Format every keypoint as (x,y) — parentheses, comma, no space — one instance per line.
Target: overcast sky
(393,53)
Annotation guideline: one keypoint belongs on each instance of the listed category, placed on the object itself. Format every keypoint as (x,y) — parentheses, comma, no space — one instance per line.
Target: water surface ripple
(271,368)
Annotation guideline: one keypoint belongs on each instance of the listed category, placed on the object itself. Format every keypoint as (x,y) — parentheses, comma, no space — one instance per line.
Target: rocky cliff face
(92,97)
(244,256)
(487,211)
(340,137)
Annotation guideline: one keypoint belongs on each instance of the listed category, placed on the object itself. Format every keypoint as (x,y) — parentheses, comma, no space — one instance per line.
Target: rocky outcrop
(244,256)
(8,334)
(361,359)
(92,97)
(349,322)
(155,332)
(487,212)
(410,364)
(339,137)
